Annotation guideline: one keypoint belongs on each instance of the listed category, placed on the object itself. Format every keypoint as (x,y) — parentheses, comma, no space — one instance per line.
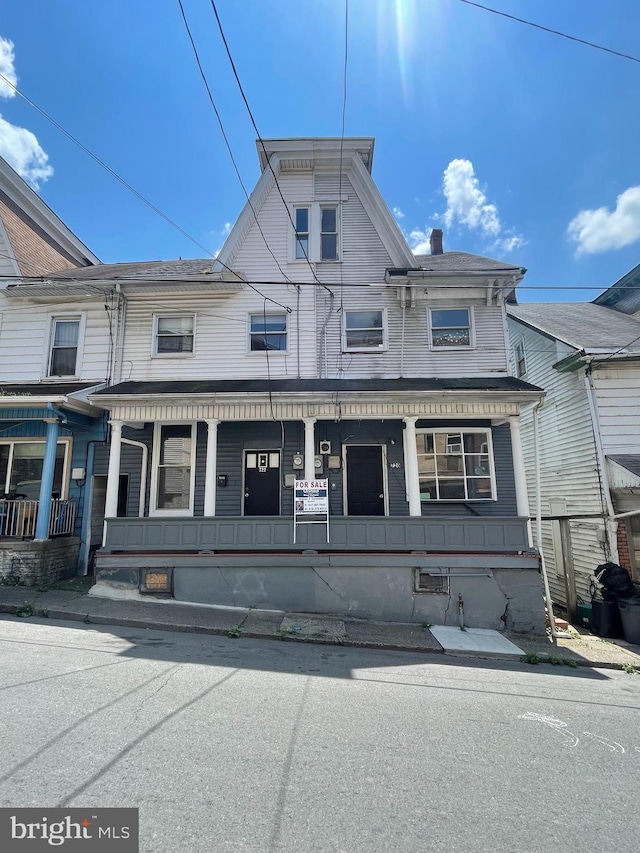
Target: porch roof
(191,387)
(69,396)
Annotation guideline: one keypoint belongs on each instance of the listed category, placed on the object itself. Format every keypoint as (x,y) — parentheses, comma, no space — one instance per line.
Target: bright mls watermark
(80,830)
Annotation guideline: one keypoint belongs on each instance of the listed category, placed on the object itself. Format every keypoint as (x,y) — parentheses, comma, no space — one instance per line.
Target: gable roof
(465,262)
(581,325)
(20,208)
(624,295)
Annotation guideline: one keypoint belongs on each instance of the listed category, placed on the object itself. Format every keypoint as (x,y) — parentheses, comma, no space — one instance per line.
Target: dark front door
(365,483)
(262,482)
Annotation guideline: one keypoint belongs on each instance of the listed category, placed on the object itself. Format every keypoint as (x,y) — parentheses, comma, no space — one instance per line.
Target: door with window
(261,482)
(365,479)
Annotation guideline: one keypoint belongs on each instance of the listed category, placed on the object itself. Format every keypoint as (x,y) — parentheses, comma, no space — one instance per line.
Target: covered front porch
(411,471)
(46,444)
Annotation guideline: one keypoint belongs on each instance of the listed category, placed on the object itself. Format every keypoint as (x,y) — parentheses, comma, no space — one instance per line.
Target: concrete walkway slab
(477,641)
(315,627)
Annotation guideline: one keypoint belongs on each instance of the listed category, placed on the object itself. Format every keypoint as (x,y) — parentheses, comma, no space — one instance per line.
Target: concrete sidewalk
(582,649)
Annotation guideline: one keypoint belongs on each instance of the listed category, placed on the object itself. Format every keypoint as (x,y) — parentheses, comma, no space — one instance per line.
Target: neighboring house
(587,359)
(51,355)
(318,346)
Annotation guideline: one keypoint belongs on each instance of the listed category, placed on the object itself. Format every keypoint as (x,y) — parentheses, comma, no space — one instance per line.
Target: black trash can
(630,615)
(605,619)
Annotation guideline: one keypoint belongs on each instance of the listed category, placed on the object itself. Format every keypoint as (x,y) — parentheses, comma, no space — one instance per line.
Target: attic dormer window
(302,232)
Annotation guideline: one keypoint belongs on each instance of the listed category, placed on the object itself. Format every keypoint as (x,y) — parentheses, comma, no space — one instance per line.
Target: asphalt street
(250,745)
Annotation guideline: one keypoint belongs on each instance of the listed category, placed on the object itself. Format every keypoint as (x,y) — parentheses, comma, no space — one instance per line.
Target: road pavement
(260,746)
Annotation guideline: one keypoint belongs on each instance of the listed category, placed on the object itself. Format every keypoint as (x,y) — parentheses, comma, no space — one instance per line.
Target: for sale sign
(311,497)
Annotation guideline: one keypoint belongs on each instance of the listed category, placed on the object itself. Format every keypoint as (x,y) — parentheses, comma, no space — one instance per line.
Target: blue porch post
(46,484)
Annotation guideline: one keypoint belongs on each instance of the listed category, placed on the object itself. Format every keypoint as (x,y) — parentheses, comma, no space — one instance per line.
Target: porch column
(210,468)
(309,448)
(411,465)
(113,474)
(46,483)
(522,497)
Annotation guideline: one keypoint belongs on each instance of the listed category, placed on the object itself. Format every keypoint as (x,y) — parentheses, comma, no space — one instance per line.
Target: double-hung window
(329,233)
(63,357)
(174,455)
(174,334)
(450,327)
(21,464)
(455,465)
(363,330)
(268,333)
(521,363)
(302,233)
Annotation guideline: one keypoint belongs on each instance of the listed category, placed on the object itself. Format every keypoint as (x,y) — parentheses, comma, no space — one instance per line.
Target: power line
(553,32)
(260,140)
(224,136)
(125,183)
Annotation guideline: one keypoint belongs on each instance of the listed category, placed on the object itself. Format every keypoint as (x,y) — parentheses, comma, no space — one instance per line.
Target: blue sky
(518,143)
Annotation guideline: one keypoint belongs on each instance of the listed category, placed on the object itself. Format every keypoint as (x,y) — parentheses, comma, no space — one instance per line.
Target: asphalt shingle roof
(262,386)
(630,462)
(452,261)
(582,325)
(143,270)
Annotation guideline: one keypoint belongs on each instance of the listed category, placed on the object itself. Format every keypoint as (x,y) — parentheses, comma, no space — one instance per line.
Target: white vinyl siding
(617,391)
(26,336)
(568,463)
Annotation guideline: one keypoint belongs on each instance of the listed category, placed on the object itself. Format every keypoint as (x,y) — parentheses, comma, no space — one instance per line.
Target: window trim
(315,209)
(518,360)
(65,440)
(458,347)
(154,510)
(276,353)
(81,318)
(328,206)
(486,431)
(296,208)
(383,347)
(154,340)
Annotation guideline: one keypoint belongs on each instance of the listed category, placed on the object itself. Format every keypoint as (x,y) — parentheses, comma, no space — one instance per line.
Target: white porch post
(309,448)
(519,475)
(210,468)
(411,465)
(113,475)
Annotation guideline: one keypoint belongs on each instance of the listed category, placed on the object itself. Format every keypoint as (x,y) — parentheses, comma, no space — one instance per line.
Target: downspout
(610,523)
(545,578)
(143,473)
(121,313)
(403,299)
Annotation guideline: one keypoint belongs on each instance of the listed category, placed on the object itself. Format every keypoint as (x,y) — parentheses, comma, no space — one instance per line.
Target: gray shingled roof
(630,462)
(261,386)
(452,261)
(143,270)
(43,389)
(582,325)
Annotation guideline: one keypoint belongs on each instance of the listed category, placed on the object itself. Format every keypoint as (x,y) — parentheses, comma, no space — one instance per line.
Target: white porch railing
(18,518)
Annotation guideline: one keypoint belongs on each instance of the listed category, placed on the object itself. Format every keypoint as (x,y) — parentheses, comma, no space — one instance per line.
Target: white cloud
(398,213)
(21,149)
(226,230)
(419,241)
(603,229)
(19,146)
(466,202)
(7,68)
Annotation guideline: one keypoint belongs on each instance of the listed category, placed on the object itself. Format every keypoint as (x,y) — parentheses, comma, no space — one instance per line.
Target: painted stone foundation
(38,562)
(496,591)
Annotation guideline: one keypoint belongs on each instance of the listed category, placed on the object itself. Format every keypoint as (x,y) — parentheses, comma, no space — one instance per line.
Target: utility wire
(124,183)
(549,30)
(224,136)
(260,140)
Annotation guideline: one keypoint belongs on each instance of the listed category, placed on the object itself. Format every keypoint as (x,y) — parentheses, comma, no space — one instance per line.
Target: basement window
(431,584)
